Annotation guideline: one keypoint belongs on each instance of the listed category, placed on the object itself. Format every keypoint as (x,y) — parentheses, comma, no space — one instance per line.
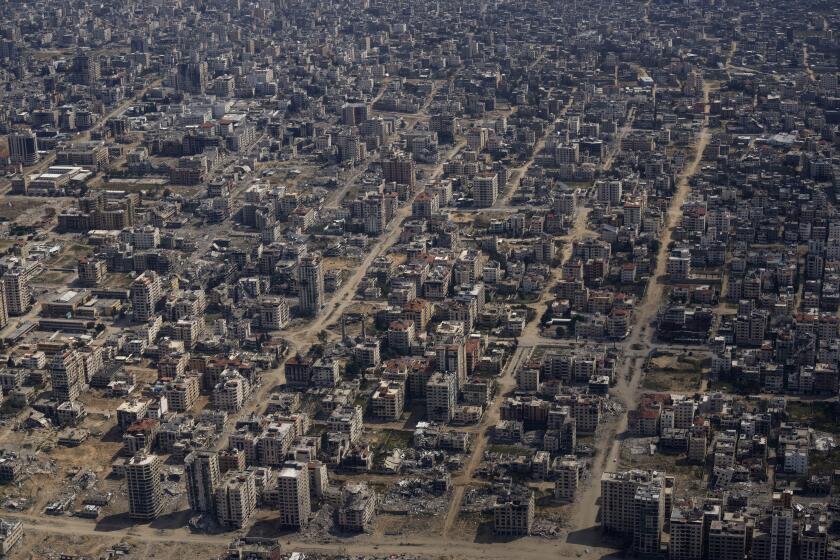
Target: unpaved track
(428,546)
(491,417)
(629,379)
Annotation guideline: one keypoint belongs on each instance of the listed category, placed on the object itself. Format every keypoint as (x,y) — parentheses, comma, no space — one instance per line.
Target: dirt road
(429,546)
(579,231)
(639,343)
(491,417)
(84,135)
(520,172)
(301,339)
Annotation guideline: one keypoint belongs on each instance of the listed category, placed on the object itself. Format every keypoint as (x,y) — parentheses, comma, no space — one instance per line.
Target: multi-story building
(566,154)
(201,469)
(273,313)
(567,472)
(189,330)
(609,192)
(684,412)
(326,372)
(587,414)
(388,400)
(67,371)
(23,147)
(620,512)
(441,394)
(145,497)
(91,155)
(146,292)
(814,540)
(477,138)
(272,445)
(144,238)
(686,528)
(399,169)
(91,272)
(774,533)
(353,114)
(750,328)
(357,507)
(513,513)
(224,86)
(401,336)
(698,444)
(367,353)
(18,295)
(236,499)
(528,379)
(452,358)
(445,125)
(130,412)
(347,419)
(727,539)
(192,77)
(424,206)
(679,264)
(182,392)
(231,391)
(311,285)
(648,512)
(485,190)
(373,214)
(4,310)
(11,532)
(293,495)
(86,70)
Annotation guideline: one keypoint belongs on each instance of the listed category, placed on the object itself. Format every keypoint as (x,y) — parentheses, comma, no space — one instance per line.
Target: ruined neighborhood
(318,279)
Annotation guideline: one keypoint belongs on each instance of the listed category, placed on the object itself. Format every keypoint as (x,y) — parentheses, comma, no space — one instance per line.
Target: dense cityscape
(409,279)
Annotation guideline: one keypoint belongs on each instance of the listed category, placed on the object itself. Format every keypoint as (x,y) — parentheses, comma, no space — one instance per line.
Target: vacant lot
(13,206)
(635,454)
(672,373)
(821,416)
(387,440)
